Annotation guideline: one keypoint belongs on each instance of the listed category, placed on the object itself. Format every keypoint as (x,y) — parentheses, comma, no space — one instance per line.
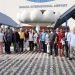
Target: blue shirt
(42,36)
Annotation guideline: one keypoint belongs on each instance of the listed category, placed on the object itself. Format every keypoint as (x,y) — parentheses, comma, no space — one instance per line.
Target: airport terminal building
(18,11)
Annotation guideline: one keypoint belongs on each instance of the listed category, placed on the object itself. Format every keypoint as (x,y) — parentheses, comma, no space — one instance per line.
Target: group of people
(57,42)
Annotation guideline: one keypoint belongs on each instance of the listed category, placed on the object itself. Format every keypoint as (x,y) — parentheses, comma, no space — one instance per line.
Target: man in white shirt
(67,39)
(72,43)
(31,44)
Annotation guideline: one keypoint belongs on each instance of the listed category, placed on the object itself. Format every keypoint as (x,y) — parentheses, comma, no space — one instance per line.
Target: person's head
(74,30)
(57,30)
(68,29)
(21,29)
(51,30)
(0,29)
(61,30)
(18,29)
(43,30)
(26,30)
(15,30)
(30,30)
(8,30)
(47,31)
(35,32)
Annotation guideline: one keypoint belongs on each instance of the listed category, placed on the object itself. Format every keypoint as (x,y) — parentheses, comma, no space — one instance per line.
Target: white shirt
(30,36)
(1,37)
(35,38)
(72,39)
(47,38)
(68,35)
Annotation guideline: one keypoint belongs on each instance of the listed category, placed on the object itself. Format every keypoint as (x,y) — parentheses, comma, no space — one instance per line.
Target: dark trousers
(67,49)
(31,45)
(21,44)
(40,46)
(16,47)
(7,47)
(56,49)
(44,46)
(51,48)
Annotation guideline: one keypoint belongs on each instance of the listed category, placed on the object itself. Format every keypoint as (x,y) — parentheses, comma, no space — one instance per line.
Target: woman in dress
(61,36)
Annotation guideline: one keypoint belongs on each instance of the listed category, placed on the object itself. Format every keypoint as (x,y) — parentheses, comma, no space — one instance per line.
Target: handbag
(63,42)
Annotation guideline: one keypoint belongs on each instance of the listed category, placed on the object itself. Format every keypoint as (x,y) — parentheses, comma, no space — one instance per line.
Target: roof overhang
(66,16)
(6,20)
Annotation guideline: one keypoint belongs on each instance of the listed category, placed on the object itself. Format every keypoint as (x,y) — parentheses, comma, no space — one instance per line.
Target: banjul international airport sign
(45,6)
(42,4)
(53,9)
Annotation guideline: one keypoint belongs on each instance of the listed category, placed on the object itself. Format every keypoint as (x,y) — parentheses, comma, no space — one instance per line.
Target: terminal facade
(13,7)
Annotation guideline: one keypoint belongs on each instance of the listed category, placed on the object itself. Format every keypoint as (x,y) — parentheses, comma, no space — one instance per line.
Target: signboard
(40,1)
(55,5)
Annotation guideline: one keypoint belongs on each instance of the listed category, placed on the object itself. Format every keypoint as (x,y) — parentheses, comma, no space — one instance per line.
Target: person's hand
(39,40)
(54,42)
(49,41)
(68,44)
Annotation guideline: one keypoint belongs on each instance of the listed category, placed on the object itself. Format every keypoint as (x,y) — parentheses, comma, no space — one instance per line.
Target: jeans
(44,46)
(51,48)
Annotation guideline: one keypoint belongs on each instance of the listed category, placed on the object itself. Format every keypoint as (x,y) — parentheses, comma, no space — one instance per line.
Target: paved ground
(32,63)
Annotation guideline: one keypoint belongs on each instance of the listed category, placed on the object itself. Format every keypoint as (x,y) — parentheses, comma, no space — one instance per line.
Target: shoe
(70,58)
